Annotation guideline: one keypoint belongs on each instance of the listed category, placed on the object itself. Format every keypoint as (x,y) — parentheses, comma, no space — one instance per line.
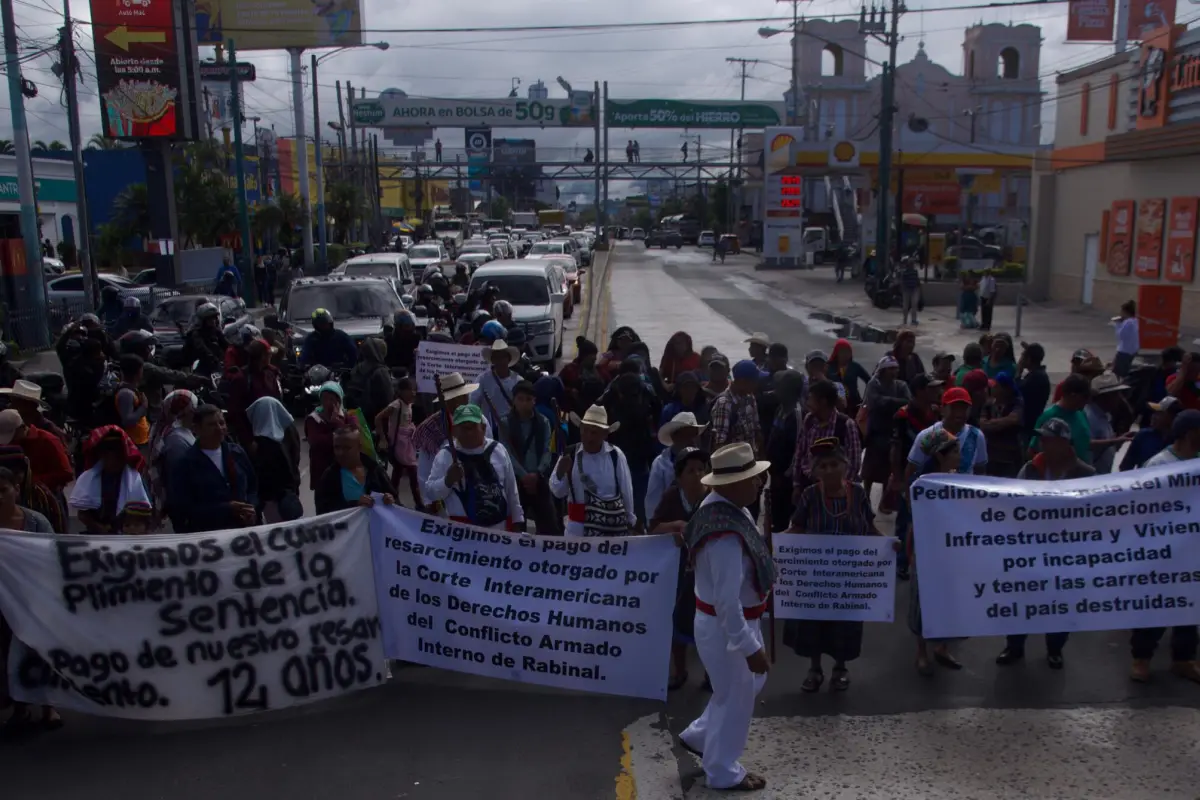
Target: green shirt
(961,373)
(1081,434)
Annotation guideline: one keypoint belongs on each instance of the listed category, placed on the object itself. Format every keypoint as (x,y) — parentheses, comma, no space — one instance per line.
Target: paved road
(985,733)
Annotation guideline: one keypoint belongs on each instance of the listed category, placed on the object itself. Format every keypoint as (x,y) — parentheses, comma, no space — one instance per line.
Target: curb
(595,309)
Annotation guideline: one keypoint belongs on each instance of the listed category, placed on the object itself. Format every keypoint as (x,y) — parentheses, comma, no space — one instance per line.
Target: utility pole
(35,298)
(321,231)
(735,156)
(352,232)
(341,134)
(301,155)
(69,67)
(247,266)
(877,25)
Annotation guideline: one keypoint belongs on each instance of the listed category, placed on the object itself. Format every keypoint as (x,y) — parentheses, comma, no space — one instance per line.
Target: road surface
(986,733)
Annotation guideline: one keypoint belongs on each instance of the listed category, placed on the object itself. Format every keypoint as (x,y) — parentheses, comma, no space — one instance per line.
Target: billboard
(1149,15)
(138,75)
(279,24)
(479,152)
(693,114)
(444,112)
(1090,20)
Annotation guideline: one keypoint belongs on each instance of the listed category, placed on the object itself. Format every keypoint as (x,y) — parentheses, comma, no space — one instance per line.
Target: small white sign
(828,577)
(440,358)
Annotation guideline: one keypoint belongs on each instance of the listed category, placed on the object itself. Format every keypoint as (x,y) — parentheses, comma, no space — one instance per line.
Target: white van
(537,301)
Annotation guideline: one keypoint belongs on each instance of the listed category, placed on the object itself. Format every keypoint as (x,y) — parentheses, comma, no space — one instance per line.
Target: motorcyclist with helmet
(111,308)
(492,331)
(70,343)
(239,338)
(502,310)
(155,378)
(440,286)
(204,342)
(462,276)
(524,366)
(327,345)
(470,333)
(132,318)
(403,341)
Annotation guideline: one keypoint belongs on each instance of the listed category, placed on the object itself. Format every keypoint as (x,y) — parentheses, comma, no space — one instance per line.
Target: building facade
(963,140)
(1116,202)
(54,189)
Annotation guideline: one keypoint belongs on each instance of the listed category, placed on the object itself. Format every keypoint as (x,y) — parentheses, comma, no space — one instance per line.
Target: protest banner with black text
(1110,552)
(440,358)
(832,577)
(191,626)
(590,614)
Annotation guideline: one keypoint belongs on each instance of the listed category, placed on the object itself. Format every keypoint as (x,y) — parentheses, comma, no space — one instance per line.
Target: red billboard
(1149,15)
(137,68)
(1181,239)
(1090,20)
(933,199)
(1148,238)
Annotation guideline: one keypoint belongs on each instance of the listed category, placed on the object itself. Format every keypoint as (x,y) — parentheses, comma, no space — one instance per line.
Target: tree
(345,202)
(7,148)
(500,209)
(642,218)
(101,142)
(53,147)
(131,212)
(205,202)
(718,206)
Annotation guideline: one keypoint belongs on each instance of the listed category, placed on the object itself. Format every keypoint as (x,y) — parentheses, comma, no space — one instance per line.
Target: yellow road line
(626,786)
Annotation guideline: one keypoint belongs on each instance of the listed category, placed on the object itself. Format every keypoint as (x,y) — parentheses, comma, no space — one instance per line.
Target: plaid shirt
(743,413)
(811,430)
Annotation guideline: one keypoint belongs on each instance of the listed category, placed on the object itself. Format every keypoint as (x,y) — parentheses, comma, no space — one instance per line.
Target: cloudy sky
(683,62)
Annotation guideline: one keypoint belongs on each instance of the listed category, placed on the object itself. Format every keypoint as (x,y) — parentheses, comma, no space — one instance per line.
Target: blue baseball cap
(746,370)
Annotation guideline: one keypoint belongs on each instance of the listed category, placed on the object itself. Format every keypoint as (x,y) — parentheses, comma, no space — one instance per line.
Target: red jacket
(48,459)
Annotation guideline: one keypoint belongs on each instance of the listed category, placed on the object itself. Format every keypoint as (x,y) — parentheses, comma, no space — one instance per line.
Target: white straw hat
(596,417)
(734,463)
(498,346)
(759,338)
(453,385)
(25,390)
(684,419)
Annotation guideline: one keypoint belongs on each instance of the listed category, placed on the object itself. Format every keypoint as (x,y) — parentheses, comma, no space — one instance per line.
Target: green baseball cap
(468,413)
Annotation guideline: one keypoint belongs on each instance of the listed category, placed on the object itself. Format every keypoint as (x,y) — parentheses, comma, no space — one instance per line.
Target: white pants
(720,732)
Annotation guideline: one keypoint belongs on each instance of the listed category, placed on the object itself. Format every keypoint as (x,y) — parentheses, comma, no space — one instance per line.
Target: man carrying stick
(434,432)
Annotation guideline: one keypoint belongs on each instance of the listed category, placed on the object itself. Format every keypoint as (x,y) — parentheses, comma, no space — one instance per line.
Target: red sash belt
(749,612)
(576,512)
(508,524)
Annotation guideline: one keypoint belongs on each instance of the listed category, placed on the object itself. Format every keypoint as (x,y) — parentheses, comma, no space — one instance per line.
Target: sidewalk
(1061,330)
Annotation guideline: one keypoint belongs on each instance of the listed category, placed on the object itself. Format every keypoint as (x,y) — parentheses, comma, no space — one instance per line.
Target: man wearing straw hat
(494,387)
(594,478)
(734,575)
(677,435)
(433,432)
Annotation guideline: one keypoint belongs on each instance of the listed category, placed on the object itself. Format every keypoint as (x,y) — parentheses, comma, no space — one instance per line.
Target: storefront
(1116,202)
(54,187)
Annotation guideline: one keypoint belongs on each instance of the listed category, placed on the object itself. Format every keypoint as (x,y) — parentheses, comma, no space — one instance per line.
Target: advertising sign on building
(279,24)
(479,148)
(1090,20)
(1148,238)
(442,112)
(1149,15)
(783,204)
(1120,238)
(692,114)
(137,69)
(1181,238)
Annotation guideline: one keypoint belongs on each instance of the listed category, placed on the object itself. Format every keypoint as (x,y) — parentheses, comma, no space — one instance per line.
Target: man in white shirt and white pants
(734,576)
(594,479)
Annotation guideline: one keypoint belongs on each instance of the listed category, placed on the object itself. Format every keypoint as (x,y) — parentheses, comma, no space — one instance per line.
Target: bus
(687,226)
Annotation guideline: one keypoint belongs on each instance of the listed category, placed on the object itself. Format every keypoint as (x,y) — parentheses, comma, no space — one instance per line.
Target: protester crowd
(615,442)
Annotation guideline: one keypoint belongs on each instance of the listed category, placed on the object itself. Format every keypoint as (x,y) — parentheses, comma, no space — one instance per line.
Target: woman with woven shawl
(734,574)
(832,505)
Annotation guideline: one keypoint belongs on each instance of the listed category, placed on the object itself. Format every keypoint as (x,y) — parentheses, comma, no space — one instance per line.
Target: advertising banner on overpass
(444,112)
(693,114)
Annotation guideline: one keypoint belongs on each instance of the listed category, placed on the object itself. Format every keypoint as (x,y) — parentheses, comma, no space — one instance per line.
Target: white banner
(821,576)
(1111,552)
(588,614)
(439,358)
(172,627)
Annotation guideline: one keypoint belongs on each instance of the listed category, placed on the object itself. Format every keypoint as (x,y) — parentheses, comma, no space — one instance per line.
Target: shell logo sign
(843,154)
(781,148)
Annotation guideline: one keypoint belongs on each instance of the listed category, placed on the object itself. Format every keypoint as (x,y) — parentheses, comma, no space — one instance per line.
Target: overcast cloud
(683,63)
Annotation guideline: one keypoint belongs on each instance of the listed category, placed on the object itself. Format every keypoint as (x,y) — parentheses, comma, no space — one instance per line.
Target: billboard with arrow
(137,68)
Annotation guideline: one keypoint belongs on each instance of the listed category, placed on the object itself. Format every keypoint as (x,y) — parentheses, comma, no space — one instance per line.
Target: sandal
(813,682)
(943,658)
(841,680)
(51,721)
(677,681)
(750,783)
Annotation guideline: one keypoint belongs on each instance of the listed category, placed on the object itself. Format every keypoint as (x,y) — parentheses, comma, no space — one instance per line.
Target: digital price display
(785,196)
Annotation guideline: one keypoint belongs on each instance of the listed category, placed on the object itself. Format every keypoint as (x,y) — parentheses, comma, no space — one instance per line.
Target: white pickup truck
(453,232)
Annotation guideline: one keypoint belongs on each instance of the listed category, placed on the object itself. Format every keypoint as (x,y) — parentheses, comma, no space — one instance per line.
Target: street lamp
(793,101)
(298,101)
